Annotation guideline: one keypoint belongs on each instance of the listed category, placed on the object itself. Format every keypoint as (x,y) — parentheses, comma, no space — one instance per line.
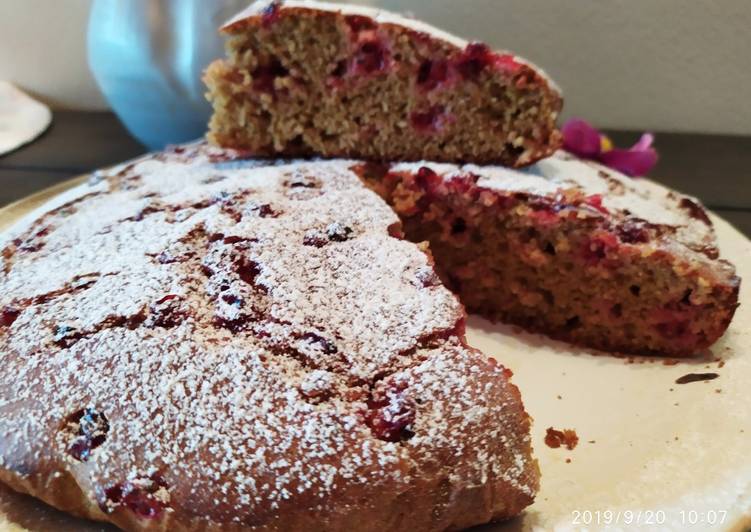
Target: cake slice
(190,342)
(306,78)
(571,249)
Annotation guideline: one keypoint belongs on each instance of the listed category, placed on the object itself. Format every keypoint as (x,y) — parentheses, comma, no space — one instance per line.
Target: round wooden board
(652,454)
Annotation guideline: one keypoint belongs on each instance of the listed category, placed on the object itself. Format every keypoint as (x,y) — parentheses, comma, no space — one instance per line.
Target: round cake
(195,342)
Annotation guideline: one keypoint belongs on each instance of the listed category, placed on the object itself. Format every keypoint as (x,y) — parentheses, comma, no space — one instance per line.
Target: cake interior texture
(566,263)
(302,81)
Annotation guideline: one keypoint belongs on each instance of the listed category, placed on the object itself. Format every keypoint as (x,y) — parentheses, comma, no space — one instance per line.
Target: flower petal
(645,142)
(633,162)
(580,138)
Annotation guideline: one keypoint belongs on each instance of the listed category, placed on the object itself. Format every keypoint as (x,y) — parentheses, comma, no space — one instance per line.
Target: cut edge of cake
(571,249)
(308,78)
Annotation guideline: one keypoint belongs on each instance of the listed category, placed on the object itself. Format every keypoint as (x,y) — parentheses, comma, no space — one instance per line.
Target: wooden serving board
(652,454)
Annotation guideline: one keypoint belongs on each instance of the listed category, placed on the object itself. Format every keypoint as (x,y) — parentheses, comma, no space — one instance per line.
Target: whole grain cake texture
(304,77)
(201,340)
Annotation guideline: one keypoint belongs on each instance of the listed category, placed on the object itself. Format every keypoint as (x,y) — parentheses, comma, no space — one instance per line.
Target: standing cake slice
(571,249)
(308,78)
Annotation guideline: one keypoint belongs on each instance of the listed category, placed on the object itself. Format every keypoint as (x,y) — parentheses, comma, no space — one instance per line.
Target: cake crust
(307,78)
(193,342)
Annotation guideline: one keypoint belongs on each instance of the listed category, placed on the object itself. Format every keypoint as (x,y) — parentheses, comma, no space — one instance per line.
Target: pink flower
(583,140)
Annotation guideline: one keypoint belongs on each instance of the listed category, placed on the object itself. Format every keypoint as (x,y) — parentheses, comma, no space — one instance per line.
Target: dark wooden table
(714,168)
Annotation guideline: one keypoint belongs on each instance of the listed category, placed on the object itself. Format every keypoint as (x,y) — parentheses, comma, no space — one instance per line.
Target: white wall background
(681,65)
(43,50)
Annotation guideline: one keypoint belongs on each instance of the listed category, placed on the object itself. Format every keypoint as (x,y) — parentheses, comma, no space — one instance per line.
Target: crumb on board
(566,437)
(696,377)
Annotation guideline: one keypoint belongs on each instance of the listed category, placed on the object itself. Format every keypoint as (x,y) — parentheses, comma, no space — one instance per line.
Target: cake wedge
(334,80)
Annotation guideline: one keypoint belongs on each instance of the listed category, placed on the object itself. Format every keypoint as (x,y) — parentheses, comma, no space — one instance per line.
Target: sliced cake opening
(344,81)
(569,249)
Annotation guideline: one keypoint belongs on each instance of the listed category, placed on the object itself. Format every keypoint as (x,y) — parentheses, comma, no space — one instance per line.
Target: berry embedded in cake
(571,249)
(194,342)
(335,80)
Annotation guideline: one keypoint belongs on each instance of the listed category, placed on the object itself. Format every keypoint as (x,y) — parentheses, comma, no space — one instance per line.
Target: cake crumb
(696,377)
(555,438)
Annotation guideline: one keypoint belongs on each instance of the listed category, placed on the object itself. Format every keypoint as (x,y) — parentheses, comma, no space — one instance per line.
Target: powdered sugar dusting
(623,197)
(235,323)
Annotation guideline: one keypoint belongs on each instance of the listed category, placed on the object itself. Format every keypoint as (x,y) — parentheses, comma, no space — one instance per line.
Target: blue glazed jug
(148,57)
